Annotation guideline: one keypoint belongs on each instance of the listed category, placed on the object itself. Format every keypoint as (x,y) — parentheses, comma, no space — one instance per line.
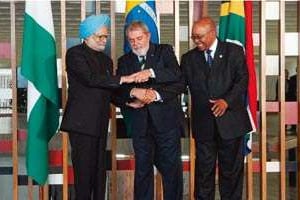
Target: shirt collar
(213,48)
(141,57)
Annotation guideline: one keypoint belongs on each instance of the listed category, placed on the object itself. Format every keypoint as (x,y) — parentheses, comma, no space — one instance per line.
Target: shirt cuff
(152,73)
(158,97)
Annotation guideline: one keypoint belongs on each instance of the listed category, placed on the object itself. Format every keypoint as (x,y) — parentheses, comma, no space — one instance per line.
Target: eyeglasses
(199,37)
(101,37)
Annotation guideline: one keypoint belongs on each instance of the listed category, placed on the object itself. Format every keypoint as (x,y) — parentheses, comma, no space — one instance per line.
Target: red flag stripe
(252,92)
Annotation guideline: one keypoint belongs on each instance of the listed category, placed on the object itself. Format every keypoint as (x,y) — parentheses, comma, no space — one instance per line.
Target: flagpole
(98,7)
(40,193)
(14,99)
(263,133)
(205,9)
(64,97)
(46,192)
(30,188)
(191,139)
(82,9)
(282,103)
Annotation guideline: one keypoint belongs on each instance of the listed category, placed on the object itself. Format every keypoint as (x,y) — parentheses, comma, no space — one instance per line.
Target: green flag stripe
(232,27)
(39,55)
(42,125)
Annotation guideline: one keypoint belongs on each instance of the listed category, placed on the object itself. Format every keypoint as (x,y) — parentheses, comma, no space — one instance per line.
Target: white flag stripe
(33,95)
(149,11)
(39,11)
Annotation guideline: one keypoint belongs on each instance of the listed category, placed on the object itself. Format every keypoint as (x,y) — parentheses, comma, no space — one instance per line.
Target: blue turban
(92,24)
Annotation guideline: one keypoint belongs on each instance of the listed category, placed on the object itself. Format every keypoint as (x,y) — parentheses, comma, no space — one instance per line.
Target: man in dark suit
(155,111)
(217,77)
(87,111)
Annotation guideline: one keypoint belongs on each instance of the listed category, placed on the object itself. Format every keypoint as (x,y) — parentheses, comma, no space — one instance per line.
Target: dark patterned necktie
(142,61)
(209,57)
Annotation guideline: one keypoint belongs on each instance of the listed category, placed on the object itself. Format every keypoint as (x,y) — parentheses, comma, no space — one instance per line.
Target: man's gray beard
(102,47)
(142,52)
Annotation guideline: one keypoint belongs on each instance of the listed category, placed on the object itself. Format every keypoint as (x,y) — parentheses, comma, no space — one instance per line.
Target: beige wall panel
(272,10)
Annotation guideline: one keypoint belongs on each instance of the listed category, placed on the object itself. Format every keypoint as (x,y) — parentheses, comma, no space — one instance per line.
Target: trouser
(163,150)
(89,164)
(229,154)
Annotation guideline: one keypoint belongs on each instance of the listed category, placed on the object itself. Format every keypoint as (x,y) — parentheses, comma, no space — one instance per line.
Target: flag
(145,11)
(236,26)
(38,66)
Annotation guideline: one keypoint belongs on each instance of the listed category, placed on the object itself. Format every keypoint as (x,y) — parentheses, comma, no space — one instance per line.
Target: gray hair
(136,25)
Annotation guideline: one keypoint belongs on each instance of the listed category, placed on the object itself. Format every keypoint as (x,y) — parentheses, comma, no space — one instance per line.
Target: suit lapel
(199,70)
(200,62)
(218,58)
(133,63)
(150,57)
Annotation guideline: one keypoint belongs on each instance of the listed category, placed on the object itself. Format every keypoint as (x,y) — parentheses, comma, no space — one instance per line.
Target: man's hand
(136,104)
(142,76)
(144,95)
(219,108)
(127,79)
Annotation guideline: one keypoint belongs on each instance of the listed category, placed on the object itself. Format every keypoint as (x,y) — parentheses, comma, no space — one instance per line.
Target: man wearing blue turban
(86,115)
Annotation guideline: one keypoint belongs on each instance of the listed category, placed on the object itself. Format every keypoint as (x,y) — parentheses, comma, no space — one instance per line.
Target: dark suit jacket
(226,79)
(89,94)
(167,114)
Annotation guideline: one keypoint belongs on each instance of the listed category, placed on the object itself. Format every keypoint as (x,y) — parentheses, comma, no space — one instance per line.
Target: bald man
(217,77)
(87,111)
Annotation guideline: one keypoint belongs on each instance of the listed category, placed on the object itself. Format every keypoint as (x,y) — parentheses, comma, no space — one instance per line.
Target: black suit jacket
(167,114)
(227,79)
(90,90)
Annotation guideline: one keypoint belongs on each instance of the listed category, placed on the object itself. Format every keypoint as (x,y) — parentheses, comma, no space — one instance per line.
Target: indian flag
(236,26)
(39,68)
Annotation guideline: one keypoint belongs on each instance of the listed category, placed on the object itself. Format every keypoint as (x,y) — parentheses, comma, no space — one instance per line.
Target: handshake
(142,97)
(138,77)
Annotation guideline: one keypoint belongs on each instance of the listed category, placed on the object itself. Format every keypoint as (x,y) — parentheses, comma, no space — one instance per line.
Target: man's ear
(149,35)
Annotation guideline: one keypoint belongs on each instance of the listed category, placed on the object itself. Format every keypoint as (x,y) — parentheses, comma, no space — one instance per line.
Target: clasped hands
(142,97)
(138,77)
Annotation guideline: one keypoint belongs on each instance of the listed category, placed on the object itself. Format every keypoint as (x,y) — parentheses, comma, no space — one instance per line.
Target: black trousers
(163,150)
(229,154)
(89,164)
